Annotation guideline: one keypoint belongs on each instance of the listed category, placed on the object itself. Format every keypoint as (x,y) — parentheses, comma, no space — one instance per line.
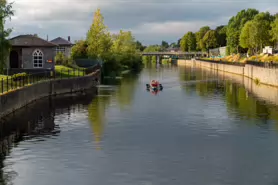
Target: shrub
(19,76)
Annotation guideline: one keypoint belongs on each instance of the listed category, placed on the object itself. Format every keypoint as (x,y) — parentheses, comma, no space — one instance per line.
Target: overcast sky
(151,21)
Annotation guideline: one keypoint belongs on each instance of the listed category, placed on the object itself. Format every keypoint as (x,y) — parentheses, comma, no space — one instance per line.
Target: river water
(199,130)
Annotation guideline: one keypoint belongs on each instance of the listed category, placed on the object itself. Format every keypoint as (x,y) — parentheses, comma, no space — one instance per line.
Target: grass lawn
(65,72)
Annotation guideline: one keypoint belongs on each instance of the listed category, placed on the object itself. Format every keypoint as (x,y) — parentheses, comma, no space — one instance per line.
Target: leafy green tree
(5,13)
(274,30)
(245,39)
(236,23)
(173,45)
(184,44)
(222,35)
(188,42)
(60,58)
(164,44)
(210,40)
(98,38)
(255,34)
(79,50)
(199,37)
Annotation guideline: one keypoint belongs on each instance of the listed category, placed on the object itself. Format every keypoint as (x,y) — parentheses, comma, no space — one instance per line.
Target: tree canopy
(5,13)
(118,51)
(249,30)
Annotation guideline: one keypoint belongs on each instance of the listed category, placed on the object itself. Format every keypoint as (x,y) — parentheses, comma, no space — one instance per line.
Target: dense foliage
(249,30)
(5,13)
(118,51)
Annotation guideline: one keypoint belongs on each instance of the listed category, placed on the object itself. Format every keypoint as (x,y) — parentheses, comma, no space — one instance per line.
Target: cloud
(151,21)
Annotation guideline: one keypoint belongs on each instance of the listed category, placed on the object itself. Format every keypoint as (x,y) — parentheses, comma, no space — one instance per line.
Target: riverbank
(264,75)
(19,98)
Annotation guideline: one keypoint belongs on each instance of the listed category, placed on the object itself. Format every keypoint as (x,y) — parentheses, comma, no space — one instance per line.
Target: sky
(150,21)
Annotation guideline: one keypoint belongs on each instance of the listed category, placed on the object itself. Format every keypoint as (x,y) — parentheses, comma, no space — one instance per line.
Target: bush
(19,76)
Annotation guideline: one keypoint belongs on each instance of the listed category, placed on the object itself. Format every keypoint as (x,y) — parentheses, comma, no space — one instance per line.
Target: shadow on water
(36,121)
(239,101)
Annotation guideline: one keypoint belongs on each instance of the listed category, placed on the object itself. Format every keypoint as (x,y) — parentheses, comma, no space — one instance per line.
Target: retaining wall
(19,98)
(268,76)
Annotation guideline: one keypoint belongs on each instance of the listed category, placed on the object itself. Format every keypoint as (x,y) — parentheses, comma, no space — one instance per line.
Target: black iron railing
(16,81)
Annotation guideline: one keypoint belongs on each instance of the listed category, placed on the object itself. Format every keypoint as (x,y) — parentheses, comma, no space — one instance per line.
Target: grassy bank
(64,71)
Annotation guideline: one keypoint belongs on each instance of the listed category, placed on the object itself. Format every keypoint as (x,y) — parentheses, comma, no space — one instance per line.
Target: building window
(61,49)
(38,59)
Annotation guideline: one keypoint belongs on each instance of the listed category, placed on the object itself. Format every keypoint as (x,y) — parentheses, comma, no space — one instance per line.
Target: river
(200,130)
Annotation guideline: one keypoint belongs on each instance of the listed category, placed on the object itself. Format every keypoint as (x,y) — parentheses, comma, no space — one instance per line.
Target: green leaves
(210,40)
(188,42)
(256,33)
(5,13)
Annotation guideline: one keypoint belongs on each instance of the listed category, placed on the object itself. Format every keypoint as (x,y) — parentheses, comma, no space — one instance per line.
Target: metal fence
(223,62)
(10,83)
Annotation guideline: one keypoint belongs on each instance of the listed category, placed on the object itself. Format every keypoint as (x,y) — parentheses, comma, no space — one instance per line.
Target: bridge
(174,55)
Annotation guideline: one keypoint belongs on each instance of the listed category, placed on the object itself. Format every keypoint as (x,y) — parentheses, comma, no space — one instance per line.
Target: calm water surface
(198,131)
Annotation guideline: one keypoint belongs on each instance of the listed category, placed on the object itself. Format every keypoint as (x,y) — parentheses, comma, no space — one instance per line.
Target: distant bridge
(174,55)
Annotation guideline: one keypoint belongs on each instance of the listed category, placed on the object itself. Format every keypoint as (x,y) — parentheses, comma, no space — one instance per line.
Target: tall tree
(234,27)
(245,39)
(274,30)
(5,13)
(222,36)
(188,42)
(210,40)
(98,38)
(79,50)
(164,44)
(199,37)
(191,40)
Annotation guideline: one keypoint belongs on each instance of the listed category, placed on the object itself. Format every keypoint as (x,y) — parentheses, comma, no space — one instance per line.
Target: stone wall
(268,76)
(21,97)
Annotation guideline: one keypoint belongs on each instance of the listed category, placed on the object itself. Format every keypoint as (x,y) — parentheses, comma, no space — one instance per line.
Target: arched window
(38,59)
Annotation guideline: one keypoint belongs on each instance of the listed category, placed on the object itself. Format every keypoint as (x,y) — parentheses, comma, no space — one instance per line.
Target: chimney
(69,38)
(47,37)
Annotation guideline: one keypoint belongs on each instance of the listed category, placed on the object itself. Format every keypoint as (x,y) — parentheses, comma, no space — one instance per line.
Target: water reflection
(35,122)
(236,96)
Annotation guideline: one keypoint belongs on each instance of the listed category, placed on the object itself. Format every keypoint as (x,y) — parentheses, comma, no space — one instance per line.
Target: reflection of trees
(126,90)
(96,111)
(238,100)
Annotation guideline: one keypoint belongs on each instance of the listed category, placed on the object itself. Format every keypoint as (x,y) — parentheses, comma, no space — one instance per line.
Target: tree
(261,26)
(5,13)
(255,34)
(123,42)
(184,44)
(274,30)
(98,38)
(191,40)
(139,46)
(79,50)
(222,36)
(164,44)
(188,42)
(236,23)
(60,58)
(246,36)
(210,40)
(173,45)
(199,37)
